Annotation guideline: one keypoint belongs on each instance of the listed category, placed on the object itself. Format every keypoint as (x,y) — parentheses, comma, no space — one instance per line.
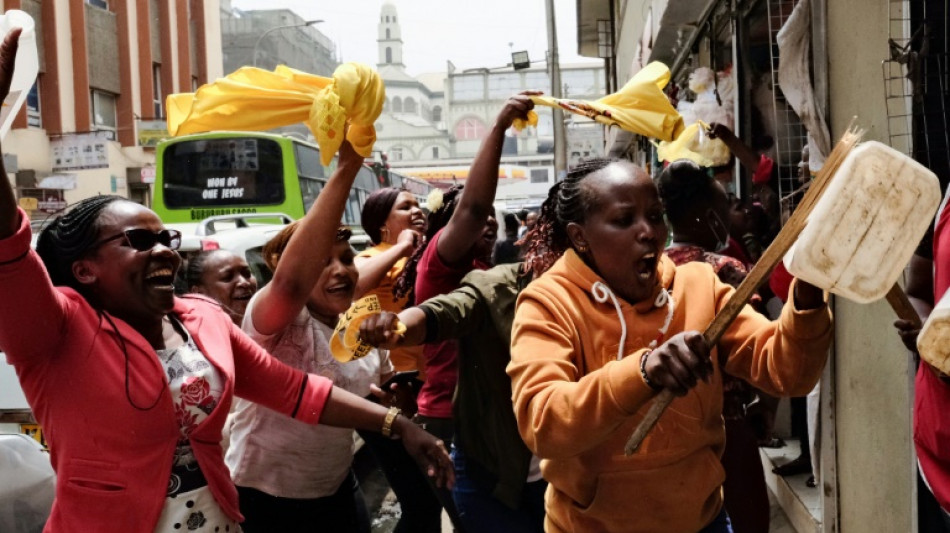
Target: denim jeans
(720,524)
(479,511)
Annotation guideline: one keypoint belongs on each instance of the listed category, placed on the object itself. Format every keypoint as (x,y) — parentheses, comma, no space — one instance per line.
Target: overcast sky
(470,33)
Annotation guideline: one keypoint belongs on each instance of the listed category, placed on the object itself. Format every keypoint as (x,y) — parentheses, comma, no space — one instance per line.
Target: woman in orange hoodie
(612,323)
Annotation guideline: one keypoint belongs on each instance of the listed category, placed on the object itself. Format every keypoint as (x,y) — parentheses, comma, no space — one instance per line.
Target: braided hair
(568,201)
(437,220)
(69,237)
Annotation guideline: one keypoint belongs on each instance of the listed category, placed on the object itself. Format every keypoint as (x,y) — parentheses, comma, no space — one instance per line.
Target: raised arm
(475,204)
(9,217)
(307,251)
(745,154)
(373,269)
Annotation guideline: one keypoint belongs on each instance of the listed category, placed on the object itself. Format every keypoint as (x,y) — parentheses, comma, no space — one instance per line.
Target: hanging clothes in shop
(794,77)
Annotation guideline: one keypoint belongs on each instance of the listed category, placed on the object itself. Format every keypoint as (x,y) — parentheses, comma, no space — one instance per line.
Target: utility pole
(554,66)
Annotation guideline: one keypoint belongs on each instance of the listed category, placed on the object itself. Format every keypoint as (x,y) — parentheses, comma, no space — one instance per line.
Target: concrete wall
(873,396)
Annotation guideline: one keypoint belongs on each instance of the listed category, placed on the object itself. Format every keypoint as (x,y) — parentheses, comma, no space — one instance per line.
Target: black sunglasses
(144,240)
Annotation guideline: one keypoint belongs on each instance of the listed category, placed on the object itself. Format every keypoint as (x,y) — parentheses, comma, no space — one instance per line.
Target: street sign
(148,174)
(29,204)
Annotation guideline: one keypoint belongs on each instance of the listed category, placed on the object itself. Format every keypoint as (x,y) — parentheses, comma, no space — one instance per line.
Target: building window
(397,105)
(505,84)
(470,87)
(389,55)
(469,129)
(579,82)
(539,175)
(157,99)
(437,114)
(395,154)
(103,112)
(435,152)
(410,105)
(33,116)
(101,4)
(387,34)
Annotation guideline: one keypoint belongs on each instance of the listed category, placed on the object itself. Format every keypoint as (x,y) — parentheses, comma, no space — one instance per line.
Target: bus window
(352,215)
(309,189)
(212,172)
(308,162)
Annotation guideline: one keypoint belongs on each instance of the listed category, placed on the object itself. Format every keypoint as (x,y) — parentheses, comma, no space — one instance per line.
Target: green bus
(233,173)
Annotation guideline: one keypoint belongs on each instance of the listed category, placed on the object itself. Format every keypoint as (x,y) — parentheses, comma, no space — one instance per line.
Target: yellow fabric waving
(253,99)
(694,144)
(345,344)
(640,106)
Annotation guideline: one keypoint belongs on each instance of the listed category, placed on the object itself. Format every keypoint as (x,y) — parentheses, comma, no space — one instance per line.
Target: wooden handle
(902,307)
(772,255)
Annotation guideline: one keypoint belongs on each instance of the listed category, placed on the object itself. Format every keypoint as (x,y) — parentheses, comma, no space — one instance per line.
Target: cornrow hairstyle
(437,220)
(376,210)
(568,201)
(70,237)
(275,247)
(683,185)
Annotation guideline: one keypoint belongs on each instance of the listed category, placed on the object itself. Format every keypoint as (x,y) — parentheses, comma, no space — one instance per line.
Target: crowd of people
(506,376)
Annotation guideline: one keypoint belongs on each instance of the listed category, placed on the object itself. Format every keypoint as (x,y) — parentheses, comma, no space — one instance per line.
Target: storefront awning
(460,173)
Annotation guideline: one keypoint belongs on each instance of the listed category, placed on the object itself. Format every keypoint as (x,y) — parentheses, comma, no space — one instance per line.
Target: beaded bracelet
(643,372)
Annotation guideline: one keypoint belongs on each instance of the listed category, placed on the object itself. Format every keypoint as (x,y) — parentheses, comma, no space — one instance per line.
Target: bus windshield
(233,171)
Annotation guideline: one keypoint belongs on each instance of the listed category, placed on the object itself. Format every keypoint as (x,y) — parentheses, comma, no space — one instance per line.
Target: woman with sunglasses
(131,384)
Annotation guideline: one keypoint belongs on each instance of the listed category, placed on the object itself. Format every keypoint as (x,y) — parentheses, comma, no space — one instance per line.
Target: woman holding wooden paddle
(614,322)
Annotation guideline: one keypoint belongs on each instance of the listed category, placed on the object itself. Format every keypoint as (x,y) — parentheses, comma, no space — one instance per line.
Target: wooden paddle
(902,307)
(760,272)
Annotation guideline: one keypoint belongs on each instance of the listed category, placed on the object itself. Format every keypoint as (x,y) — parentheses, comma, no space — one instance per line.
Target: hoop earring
(582,249)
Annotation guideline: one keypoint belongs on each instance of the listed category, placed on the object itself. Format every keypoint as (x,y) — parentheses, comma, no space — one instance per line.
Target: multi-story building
(98,105)
(433,124)
(268,37)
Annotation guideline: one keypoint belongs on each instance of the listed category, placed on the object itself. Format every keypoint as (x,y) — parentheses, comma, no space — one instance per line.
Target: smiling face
(624,231)
(333,292)
(130,284)
(227,278)
(405,214)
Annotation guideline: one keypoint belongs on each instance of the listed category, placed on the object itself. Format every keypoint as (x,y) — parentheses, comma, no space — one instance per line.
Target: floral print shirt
(196,388)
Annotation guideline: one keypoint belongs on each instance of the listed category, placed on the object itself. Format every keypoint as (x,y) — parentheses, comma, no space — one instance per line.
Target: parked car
(244,235)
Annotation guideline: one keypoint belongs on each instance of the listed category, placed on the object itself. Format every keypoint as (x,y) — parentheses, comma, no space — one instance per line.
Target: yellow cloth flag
(639,107)
(696,145)
(253,99)
(345,344)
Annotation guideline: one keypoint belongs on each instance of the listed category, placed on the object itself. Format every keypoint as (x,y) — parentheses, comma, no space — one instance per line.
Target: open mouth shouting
(162,278)
(418,223)
(646,266)
(341,289)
